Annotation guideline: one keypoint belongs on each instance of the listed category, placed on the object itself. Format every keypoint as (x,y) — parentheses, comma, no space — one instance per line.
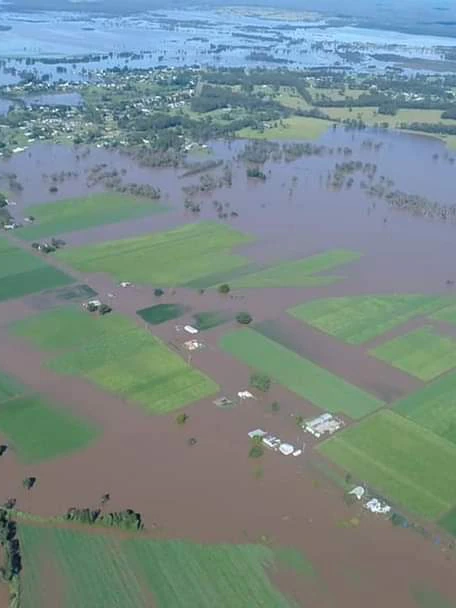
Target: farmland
(117,355)
(160,313)
(358,319)
(433,407)
(298,273)
(295,128)
(447,314)
(171,258)
(421,353)
(98,570)
(70,215)
(38,430)
(23,273)
(400,459)
(211,318)
(300,375)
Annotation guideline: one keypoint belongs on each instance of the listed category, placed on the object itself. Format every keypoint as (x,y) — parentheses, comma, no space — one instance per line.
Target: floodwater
(183,37)
(212,492)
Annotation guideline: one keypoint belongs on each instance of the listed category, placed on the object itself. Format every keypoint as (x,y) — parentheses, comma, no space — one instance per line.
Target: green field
(22,273)
(400,459)
(70,215)
(294,128)
(95,570)
(39,431)
(448,522)
(116,354)
(160,313)
(358,319)
(421,353)
(298,273)
(171,258)
(211,318)
(305,378)
(447,314)
(433,407)
(9,387)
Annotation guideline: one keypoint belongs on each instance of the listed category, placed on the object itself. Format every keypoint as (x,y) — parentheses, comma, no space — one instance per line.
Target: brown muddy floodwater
(212,492)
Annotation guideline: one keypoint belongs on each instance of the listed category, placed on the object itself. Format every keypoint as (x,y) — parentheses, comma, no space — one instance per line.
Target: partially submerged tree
(224,288)
(244,318)
(181,418)
(260,381)
(29,482)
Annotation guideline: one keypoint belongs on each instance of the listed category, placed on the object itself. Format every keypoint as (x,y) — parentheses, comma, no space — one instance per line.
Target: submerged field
(400,459)
(358,319)
(298,273)
(160,313)
(300,375)
(433,407)
(421,353)
(100,570)
(70,215)
(116,354)
(171,258)
(23,273)
(37,429)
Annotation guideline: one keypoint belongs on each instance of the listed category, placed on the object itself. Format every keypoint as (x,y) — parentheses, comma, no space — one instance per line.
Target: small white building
(190,329)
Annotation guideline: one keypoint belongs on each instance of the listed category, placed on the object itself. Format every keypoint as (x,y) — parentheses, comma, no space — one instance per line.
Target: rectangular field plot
(39,431)
(22,273)
(116,354)
(160,313)
(171,258)
(298,273)
(70,215)
(421,353)
(403,461)
(358,319)
(298,374)
(433,407)
(95,570)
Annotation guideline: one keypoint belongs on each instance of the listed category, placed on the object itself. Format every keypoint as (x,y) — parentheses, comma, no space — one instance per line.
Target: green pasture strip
(447,314)
(171,258)
(300,375)
(357,319)
(433,407)
(9,387)
(298,273)
(405,462)
(70,215)
(40,431)
(421,353)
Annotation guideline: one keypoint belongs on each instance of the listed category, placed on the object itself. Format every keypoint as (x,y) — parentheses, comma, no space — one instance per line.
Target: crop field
(39,431)
(433,407)
(402,460)
(23,273)
(171,258)
(70,215)
(358,319)
(300,375)
(421,353)
(294,128)
(114,353)
(99,570)
(160,313)
(298,273)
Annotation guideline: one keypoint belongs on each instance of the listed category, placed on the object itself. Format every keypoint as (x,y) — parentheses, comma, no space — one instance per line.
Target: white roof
(257,433)
(190,329)
(286,449)
(358,491)
(245,395)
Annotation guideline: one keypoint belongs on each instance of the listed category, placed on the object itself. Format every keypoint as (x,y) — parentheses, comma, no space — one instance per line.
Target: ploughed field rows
(22,273)
(199,255)
(298,374)
(70,215)
(114,353)
(358,319)
(37,429)
(99,570)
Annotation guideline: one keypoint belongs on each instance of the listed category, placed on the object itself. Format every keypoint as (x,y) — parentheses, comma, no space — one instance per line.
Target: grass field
(447,314)
(169,258)
(294,128)
(9,387)
(114,353)
(448,522)
(358,319)
(421,353)
(433,407)
(370,116)
(298,273)
(70,215)
(298,374)
(38,430)
(22,273)
(160,313)
(405,462)
(100,570)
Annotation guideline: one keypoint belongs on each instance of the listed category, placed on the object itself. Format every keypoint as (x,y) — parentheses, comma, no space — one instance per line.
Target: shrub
(224,288)
(260,381)
(244,318)
(158,292)
(257,449)
(181,418)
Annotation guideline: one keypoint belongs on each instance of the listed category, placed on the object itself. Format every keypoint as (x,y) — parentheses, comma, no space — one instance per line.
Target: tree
(260,381)
(104,309)
(257,449)
(224,288)
(244,318)
(3,200)
(158,292)
(29,482)
(181,418)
